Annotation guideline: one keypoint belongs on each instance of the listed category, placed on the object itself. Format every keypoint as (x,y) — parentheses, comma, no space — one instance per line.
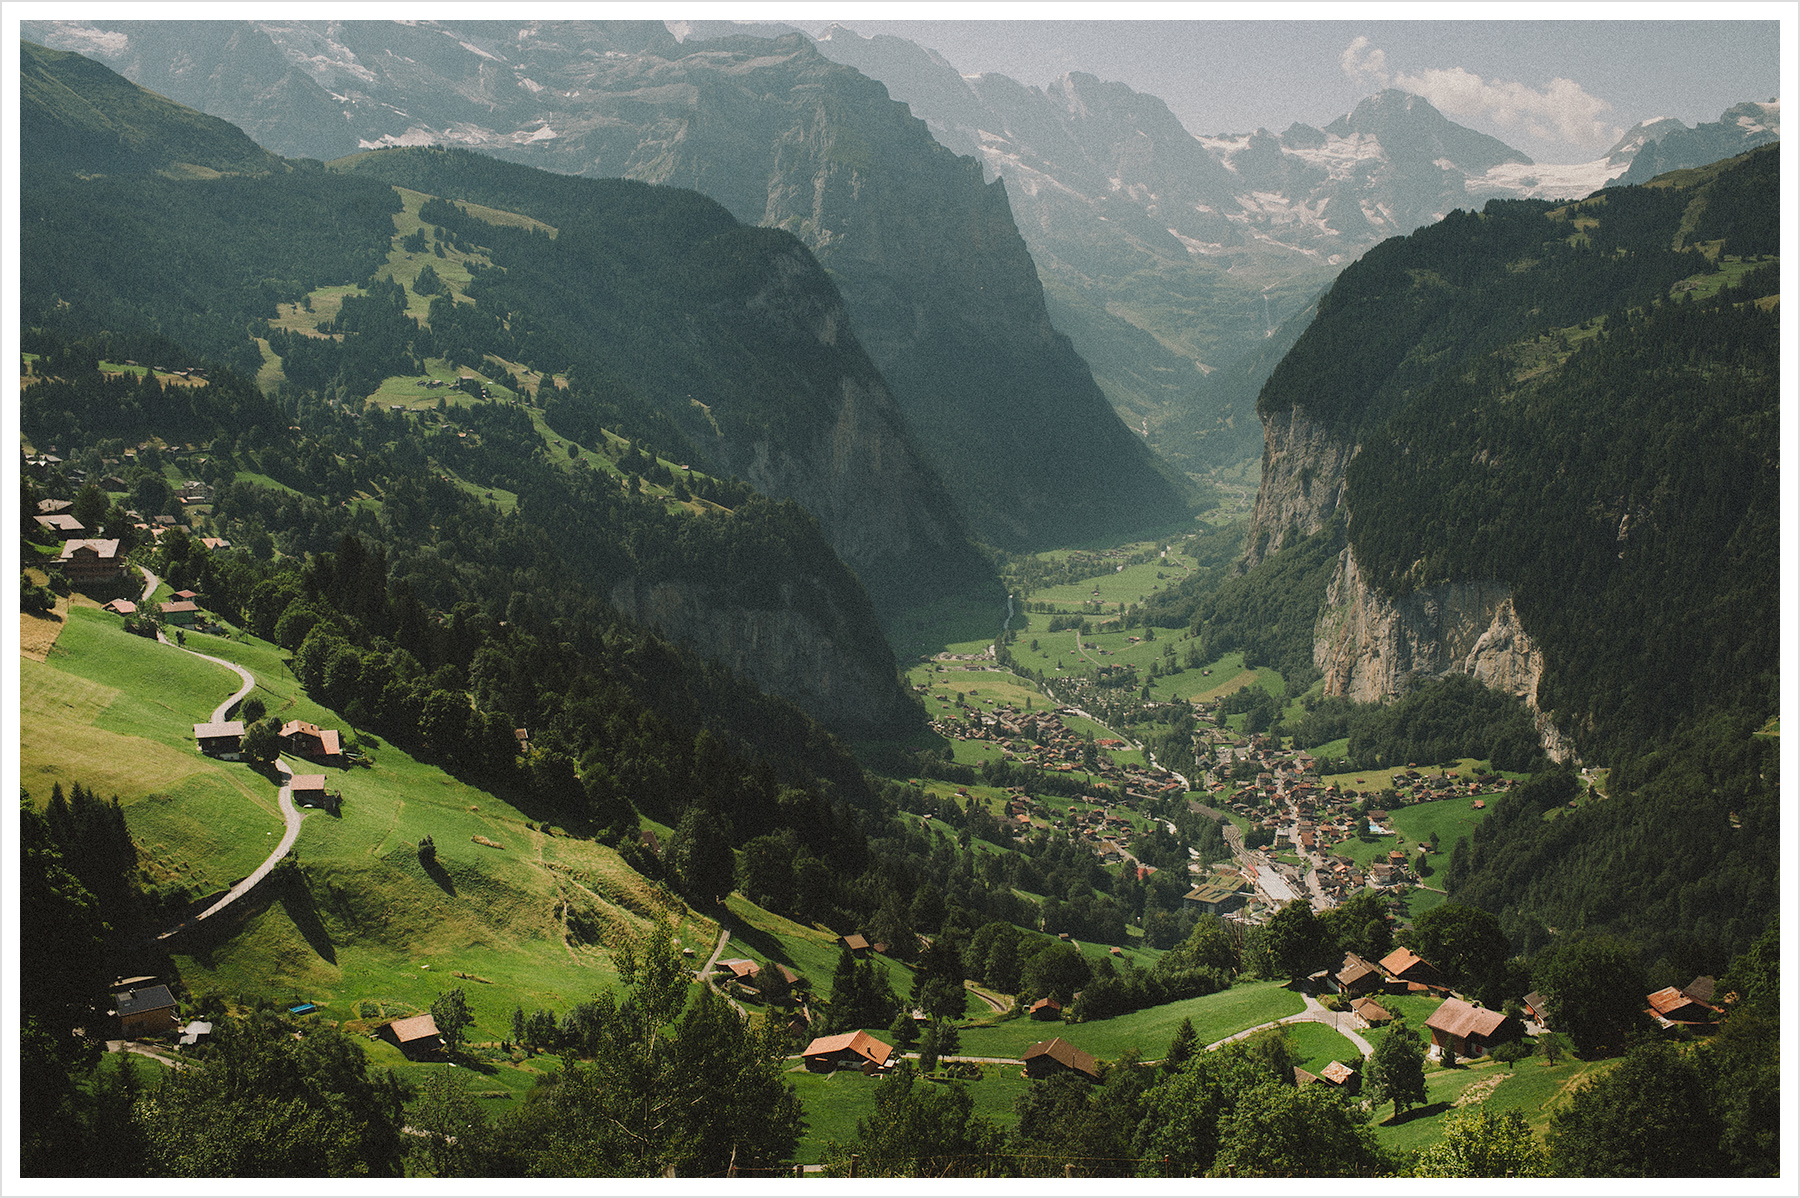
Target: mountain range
(1168,255)
(1163,256)
(1003,409)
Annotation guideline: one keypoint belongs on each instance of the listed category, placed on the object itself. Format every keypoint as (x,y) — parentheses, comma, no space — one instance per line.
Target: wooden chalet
(181,611)
(1537,1008)
(1404,965)
(63,525)
(856,942)
(1045,1008)
(221,739)
(417,1037)
(308,790)
(120,607)
(1701,989)
(309,740)
(1672,1007)
(1049,1057)
(145,1011)
(1371,1012)
(1355,977)
(91,561)
(741,970)
(1470,1030)
(850,1050)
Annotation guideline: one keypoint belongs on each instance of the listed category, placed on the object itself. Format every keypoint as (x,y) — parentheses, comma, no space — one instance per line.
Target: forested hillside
(1580,401)
(649,311)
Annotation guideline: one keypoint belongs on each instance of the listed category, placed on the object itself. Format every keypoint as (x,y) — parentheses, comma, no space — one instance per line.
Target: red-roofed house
(1468,1029)
(417,1037)
(1407,966)
(855,1050)
(739,969)
(309,740)
(1670,1006)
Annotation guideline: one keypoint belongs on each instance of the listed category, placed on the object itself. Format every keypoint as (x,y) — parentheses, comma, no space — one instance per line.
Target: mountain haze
(938,285)
(669,319)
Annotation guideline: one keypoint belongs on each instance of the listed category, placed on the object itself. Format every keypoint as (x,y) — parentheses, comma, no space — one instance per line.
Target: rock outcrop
(1370,648)
(1302,481)
(782,650)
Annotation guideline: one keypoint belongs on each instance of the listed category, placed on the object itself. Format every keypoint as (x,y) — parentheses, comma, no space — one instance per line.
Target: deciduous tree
(1478,1142)
(1396,1069)
(1289,1131)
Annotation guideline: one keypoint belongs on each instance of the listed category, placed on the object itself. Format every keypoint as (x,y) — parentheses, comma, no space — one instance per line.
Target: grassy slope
(529,921)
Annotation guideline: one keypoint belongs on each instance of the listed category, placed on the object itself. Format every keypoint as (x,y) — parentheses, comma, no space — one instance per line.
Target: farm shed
(1049,1057)
(417,1036)
(852,1050)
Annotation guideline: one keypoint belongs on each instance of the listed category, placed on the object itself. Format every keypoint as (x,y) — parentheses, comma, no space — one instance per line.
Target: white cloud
(1363,64)
(1562,110)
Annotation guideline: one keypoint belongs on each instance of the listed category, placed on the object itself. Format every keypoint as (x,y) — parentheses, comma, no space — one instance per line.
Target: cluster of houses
(1041,740)
(861,1051)
(224,739)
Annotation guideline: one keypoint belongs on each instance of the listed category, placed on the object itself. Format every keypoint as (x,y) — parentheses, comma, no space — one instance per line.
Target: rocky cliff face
(1302,481)
(1370,647)
(781,650)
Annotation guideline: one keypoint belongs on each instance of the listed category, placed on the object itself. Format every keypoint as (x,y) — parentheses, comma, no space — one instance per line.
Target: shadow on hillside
(297,901)
(434,869)
(1418,1112)
(763,944)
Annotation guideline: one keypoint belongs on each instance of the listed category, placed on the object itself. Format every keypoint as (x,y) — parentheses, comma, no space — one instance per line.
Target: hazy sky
(1559,91)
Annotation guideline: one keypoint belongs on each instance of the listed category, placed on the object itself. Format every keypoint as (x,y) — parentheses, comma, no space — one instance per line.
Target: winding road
(291,816)
(1315,1012)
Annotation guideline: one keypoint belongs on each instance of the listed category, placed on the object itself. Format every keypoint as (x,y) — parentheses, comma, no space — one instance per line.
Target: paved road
(988,999)
(224,708)
(1315,1013)
(292,817)
(705,972)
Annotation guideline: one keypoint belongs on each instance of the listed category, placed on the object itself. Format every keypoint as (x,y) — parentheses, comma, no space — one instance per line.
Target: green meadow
(833,1102)
(1413,825)
(1215,1016)
(516,914)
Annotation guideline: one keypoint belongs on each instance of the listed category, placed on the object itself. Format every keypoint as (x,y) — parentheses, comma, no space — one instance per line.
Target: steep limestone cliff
(1302,481)
(1369,646)
(783,651)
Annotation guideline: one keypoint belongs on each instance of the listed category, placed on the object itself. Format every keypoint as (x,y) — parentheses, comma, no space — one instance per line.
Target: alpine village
(598,603)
